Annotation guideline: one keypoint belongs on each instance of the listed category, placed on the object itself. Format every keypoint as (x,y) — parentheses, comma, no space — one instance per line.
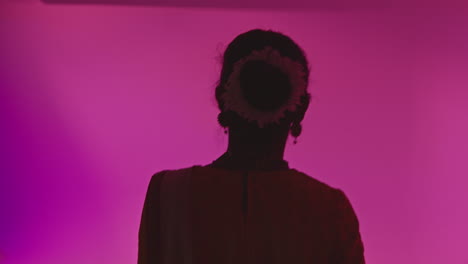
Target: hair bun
(264,86)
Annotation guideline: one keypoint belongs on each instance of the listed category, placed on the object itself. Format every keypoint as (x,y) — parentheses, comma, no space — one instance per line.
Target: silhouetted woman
(248,206)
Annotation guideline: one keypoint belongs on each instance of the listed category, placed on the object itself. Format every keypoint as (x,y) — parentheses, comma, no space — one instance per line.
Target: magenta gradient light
(95,99)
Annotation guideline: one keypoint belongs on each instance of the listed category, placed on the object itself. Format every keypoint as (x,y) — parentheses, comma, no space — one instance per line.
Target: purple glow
(94,100)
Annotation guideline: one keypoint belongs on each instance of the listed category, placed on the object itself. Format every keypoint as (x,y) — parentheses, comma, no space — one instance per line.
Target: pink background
(94,99)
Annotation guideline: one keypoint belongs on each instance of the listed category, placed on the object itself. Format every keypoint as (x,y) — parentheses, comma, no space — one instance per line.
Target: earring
(296,129)
(223,120)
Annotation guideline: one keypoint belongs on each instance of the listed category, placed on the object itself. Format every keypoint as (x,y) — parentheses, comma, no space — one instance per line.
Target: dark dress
(217,214)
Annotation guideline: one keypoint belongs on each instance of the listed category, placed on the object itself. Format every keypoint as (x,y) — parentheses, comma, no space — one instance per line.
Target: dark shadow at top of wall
(248,4)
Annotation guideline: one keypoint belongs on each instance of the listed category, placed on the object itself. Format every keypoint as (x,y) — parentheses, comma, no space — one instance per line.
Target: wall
(95,99)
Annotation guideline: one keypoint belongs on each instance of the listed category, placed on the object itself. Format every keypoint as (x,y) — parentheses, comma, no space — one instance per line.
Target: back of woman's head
(264,86)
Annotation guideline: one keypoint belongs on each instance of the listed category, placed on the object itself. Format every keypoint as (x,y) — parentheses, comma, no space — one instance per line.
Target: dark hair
(265,87)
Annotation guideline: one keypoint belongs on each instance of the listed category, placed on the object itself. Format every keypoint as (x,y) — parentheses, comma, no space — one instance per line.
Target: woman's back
(207,214)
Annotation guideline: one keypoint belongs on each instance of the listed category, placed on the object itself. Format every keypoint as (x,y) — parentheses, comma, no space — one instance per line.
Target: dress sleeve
(348,248)
(149,244)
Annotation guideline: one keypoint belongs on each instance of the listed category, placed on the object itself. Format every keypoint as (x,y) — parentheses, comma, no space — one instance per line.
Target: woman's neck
(254,149)
(254,152)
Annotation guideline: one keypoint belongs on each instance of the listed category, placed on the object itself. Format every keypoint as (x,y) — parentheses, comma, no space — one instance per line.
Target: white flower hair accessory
(234,99)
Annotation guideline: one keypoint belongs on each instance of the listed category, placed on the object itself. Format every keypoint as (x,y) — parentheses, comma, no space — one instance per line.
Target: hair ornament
(234,99)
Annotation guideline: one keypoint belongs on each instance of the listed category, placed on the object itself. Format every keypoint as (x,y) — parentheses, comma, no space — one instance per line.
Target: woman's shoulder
(334,199)
(313,184)
(293,173)
(160,175)
(300,179)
